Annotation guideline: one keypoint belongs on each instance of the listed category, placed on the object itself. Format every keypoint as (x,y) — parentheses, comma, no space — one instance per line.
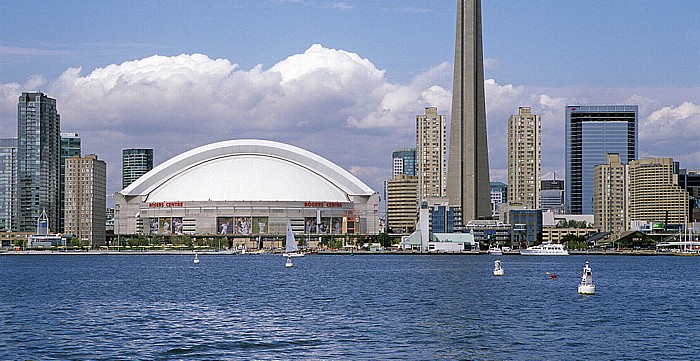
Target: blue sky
(376,65)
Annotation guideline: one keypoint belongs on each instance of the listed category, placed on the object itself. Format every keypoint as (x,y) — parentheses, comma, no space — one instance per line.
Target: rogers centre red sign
(165,204)
(324,204)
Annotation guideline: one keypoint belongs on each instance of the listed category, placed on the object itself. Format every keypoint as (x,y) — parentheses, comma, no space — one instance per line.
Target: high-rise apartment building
(38,161)
(593,132)
(404,161)
(402,204)
(654,193)
(86,203)
(135,163)
(70,147)
(431,154)
(524,154)
(468,170)
(610,196)
(8,184)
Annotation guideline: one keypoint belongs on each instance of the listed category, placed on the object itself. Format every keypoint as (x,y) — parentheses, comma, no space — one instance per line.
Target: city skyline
(356,70)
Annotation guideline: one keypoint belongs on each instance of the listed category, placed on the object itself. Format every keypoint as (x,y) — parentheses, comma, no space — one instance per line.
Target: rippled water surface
(342,307)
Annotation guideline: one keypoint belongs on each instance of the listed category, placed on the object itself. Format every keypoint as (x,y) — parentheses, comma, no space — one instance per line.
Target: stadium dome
(247,170)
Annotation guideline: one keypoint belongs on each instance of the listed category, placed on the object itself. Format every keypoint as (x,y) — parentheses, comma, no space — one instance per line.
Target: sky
(345,79)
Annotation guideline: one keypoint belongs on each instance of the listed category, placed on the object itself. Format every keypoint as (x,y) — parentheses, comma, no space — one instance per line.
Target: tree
(572,223)
(384,239)
(76,242)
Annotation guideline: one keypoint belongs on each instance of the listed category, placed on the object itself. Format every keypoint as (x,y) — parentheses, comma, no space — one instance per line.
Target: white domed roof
(247,170)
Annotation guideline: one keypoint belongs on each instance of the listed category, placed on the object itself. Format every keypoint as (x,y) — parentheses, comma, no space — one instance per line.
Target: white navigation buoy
(586,287)
(497,269)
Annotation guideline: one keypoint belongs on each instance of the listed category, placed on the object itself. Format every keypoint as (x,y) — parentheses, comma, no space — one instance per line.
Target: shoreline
(321,252)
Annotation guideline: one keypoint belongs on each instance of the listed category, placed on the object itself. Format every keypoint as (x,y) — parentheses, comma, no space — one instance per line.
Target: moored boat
(496,251)
(545,249)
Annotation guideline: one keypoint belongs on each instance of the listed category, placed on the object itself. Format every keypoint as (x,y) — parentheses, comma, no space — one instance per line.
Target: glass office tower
(593,132)
(135,163)
(38,161)
(404,161)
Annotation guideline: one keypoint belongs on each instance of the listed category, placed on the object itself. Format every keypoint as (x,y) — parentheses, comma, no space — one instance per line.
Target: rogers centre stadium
(247,189)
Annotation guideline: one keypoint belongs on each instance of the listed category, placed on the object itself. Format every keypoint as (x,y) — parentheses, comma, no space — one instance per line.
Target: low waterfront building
(440,242)
(489,232)
(246,190)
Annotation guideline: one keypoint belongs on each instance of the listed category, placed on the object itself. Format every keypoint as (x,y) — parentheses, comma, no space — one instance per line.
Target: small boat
(545,249)
(496,251)
(289,262)
(586,287)
(290,247)
(497,269)
(196,259)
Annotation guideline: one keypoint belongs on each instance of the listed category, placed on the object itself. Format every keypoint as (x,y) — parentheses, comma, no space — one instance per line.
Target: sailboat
(196,259)
(291,249)
(586,287)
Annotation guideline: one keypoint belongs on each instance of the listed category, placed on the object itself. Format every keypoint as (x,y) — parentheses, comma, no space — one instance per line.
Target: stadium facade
(246,188)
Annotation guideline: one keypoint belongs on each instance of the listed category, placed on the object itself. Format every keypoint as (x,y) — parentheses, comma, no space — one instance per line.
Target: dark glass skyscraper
(135,163)
(38,161)
(593,132)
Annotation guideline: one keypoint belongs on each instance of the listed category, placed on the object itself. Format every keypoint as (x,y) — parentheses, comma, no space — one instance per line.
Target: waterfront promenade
(319,252)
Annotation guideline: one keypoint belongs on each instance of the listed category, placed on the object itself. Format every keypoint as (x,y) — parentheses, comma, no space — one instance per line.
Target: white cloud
(332,102)
(672,132)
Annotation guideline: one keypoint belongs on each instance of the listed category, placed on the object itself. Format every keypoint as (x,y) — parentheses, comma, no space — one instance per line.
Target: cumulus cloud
(671,126)
(332,102)
(174,103)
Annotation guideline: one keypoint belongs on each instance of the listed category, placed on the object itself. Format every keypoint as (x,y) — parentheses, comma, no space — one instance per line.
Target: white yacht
(496,251)
(545,249)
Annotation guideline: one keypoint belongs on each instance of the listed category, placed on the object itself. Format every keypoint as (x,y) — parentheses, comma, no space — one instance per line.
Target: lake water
(342,307)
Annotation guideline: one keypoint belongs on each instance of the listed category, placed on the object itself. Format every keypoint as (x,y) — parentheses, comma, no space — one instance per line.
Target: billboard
(242,225)
(224,225)
(260,225)
(328,225)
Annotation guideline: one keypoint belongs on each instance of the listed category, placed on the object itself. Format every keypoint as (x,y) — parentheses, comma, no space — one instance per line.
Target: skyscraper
(402,204)
(70,147)
(610,196)
(654,193)
(524,154)
(86,203)
(38,161)
(135,163)
(404,161)
(593,132)
(8,184)
(468,169)
(431,154)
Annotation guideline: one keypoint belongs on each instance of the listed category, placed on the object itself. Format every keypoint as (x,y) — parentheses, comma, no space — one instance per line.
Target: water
(362,307)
